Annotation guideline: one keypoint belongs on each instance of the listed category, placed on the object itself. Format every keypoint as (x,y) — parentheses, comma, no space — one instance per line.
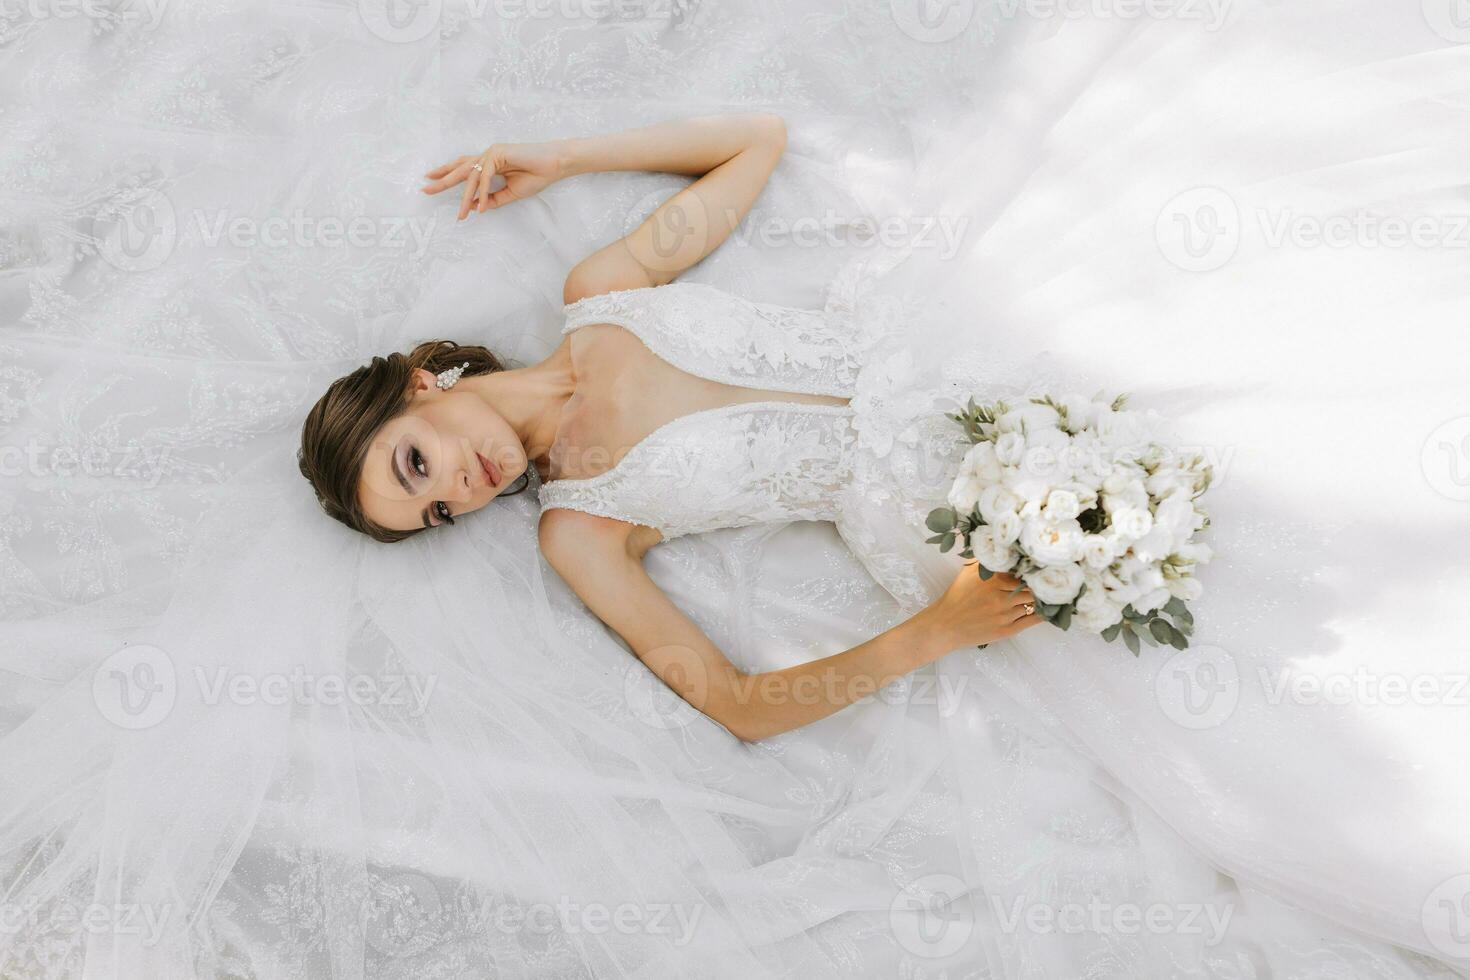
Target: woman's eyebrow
(403,481)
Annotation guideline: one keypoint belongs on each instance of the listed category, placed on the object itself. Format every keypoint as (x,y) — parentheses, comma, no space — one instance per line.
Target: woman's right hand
(526,168)
(974,612)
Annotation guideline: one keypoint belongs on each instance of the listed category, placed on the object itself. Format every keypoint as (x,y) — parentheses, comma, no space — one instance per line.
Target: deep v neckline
(714,411)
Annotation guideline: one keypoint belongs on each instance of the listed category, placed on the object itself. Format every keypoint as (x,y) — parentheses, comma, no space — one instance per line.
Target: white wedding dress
(238,741)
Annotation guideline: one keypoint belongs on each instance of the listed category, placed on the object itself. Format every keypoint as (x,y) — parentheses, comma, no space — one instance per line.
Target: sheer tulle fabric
(509,793)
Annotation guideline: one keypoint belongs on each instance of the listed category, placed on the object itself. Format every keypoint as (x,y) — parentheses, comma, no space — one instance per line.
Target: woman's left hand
(527,168)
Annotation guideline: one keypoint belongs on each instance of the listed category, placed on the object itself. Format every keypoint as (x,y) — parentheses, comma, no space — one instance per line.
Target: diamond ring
(1030,608)
(478,166)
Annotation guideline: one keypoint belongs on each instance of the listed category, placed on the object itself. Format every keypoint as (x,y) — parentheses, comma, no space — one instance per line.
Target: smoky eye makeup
(418,466)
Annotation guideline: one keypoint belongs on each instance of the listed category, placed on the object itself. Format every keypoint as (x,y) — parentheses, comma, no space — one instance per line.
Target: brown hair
(338,430)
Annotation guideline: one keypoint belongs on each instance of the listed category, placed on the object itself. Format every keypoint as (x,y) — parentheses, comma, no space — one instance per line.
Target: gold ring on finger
(1030,608)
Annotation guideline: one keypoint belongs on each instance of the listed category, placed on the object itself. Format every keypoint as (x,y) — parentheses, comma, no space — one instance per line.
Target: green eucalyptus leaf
(1064,617)
(1130,639)
(941,519)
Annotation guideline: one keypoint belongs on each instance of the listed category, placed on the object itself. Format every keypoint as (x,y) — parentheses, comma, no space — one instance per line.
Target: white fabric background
(305,841)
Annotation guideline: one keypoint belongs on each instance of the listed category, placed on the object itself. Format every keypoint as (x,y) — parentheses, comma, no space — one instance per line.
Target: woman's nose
(463,486)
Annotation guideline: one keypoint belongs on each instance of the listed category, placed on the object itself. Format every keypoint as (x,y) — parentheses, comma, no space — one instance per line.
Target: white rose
(1176,512)
(1052,542)
(1151,600)
(965,492)
(1120,590)
(1123,430)
(1195,551)
(1132,523)
(1055,583)
(1088,460)
(1009,448)
(1031,489)
(981,461)
(992,552)
(1008,527)
(1155,545)
(1097,551)
(1099,619)
(1029,418)
(1096,610)
(995,501)
(1061,505)
(1167,479)
(1186,588)
(1077,411)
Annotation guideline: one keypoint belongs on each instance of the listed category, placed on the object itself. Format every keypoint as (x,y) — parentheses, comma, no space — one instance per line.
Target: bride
(410,442)
(672,407)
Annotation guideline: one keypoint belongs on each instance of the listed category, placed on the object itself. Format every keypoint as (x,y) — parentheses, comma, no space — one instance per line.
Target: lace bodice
(732,465)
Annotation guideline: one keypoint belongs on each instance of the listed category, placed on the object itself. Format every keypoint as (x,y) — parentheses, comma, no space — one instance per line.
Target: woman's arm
(732,155)
(595,557)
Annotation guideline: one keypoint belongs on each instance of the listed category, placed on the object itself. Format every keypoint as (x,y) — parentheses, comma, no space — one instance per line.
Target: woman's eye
(416,460)
(441,511)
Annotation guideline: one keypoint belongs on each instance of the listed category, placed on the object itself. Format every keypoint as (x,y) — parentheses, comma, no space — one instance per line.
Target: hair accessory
(449,377)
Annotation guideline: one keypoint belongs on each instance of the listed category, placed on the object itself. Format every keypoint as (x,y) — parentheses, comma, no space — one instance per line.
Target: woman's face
(448,454)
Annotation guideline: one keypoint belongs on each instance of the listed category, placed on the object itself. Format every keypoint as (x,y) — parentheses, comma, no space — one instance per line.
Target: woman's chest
(624,393)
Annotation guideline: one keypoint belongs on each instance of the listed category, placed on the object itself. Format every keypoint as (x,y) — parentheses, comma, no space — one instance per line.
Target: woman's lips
(492,474)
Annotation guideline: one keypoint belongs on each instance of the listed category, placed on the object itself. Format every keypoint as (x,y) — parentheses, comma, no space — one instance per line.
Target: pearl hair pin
(448,378)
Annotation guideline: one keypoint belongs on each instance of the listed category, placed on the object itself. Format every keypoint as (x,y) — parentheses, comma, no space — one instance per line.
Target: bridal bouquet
(1082,501)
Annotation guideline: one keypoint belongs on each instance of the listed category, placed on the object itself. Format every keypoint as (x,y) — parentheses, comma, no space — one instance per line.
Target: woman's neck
(530,399)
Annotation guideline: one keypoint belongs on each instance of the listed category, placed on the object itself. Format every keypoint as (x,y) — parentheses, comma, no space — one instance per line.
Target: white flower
(1061,505)
(1077,411)
(980,460)
(1088,460)
(965,492)
(1186,588)
(1132,523)
(1151,600)
(1009,448)
(1154,545)
(1167,479)
(1195,551)
(1052,542)
(1008,527)
(1096,610)
(992,552)
(1097,551)
(1055,583)
(1030,418)
(1099,619)
(996,501)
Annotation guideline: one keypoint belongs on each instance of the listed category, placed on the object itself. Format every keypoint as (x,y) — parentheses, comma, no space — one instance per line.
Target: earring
(449,377)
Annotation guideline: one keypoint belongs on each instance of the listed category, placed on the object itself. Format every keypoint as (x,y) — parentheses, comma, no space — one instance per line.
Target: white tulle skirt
(238,741)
